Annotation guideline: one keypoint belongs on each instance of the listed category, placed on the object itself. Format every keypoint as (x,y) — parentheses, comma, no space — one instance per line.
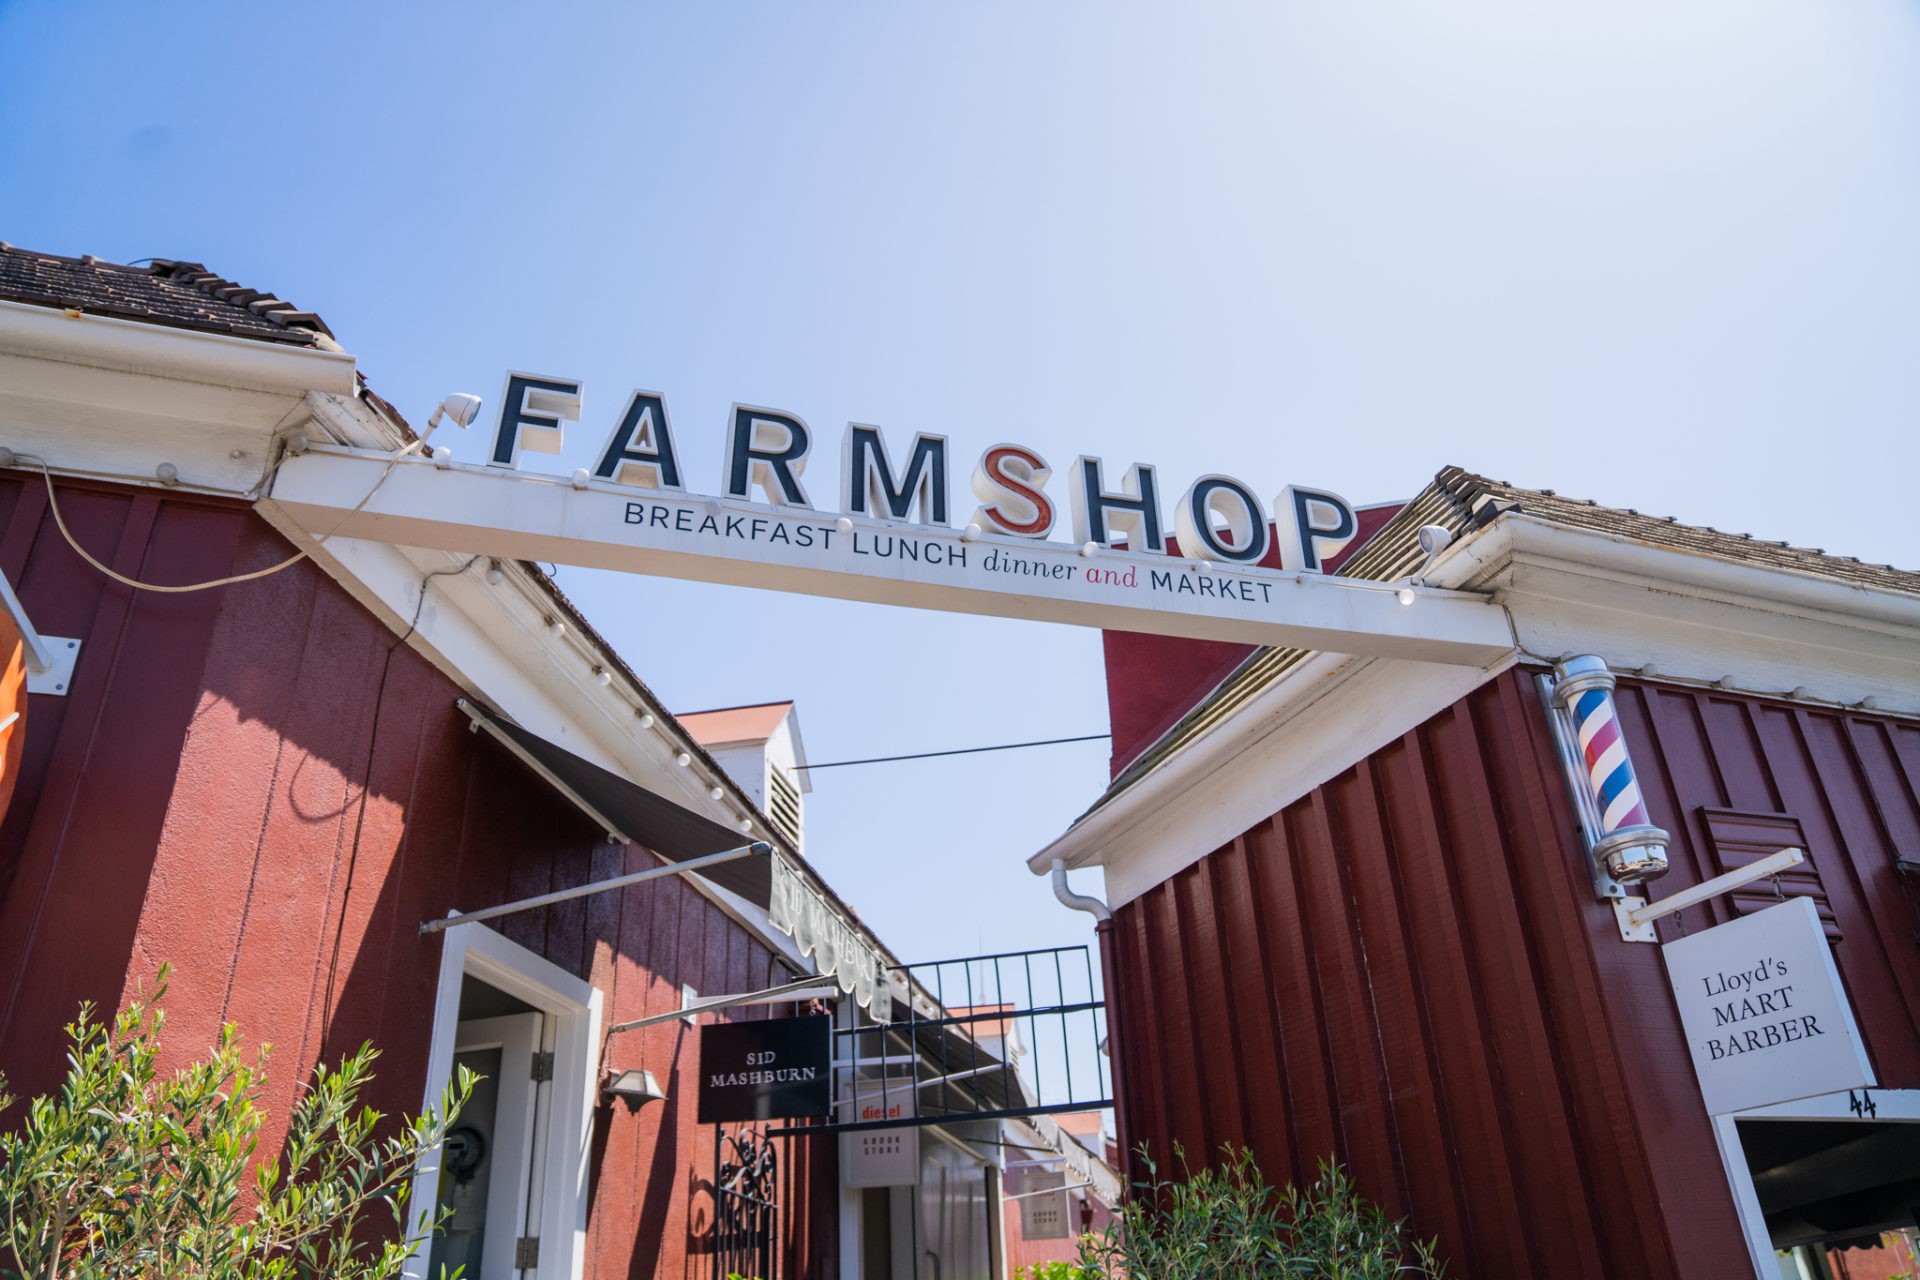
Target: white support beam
(1637,916)
(800,989)
(594,524)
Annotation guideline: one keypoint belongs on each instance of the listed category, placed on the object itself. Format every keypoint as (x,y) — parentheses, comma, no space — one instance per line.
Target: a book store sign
(772,1069)
(1765,1015)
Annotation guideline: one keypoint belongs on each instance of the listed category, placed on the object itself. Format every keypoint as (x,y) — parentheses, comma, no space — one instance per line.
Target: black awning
(630,811)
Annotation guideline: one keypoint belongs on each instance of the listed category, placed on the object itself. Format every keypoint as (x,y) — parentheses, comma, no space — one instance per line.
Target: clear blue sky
(1662,255)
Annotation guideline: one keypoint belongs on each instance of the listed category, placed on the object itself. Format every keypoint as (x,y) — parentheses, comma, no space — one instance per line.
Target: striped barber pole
(1625,845)
(1616,791)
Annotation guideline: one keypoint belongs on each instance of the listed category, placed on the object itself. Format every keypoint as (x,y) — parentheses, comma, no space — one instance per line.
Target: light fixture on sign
(633,1086)
(459,406)
(683,759)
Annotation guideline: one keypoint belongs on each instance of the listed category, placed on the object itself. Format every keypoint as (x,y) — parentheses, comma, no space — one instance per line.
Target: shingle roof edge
(1459,501)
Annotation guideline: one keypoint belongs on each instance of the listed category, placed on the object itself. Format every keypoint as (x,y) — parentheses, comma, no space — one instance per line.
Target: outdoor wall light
(459,406)
(633,1086)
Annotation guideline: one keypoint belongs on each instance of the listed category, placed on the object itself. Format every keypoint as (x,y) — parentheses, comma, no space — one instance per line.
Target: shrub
(128,1173)
(1226,1222)
(1055,1271)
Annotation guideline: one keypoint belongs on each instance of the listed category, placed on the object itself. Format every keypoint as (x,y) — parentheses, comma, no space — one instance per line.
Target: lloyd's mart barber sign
(1766,1017)
(895,538)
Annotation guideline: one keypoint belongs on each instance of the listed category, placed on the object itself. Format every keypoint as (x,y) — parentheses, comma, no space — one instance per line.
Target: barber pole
(1620,836)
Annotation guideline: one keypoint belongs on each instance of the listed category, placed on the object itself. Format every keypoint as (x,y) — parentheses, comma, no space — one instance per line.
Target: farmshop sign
(895,537)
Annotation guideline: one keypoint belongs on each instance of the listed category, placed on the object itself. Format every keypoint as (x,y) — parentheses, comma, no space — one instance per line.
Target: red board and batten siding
(1405,969)
(259,785)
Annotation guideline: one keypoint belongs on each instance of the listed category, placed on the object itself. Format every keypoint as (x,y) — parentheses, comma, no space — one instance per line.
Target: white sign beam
(602,525)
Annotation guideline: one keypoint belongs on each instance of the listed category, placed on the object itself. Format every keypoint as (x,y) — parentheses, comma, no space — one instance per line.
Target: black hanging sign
(772,1069)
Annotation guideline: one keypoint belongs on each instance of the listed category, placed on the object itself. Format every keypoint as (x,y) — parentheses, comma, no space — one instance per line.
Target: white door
(486,1163)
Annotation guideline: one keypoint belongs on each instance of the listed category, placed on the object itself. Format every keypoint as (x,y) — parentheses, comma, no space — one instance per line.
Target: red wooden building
(275,782)
(1353,915)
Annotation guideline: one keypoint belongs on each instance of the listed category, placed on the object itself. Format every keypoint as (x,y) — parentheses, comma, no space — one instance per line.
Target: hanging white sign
(880,1157)
(1043,1208)
(1765,1015)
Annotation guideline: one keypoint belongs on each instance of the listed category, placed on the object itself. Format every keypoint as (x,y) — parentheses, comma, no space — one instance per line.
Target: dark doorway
(1829,1181)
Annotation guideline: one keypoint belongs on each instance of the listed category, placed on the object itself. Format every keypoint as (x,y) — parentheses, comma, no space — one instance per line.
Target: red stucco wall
(260,785)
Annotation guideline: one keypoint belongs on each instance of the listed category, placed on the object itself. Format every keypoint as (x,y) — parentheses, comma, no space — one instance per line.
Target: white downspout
(1078,901)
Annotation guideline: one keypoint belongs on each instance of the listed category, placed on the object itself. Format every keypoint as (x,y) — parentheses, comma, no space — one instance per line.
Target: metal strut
(598,886)
(1637,917)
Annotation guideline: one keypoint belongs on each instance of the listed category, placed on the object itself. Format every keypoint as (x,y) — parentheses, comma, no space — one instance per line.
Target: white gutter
(139,346)
(1078,901)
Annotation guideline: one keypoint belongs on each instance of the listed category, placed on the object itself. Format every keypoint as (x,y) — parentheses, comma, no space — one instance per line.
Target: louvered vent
(783,805)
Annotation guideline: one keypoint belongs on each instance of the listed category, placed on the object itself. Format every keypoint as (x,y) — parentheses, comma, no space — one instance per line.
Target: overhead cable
(958,751)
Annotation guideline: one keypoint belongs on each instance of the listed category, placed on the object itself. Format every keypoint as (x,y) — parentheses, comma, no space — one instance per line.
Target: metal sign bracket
(1636,915)
(62,655)
(50,659)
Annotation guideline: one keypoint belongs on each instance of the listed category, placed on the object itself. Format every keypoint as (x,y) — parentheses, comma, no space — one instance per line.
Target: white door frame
(518,1037)
(1890,1104)
(573,1007)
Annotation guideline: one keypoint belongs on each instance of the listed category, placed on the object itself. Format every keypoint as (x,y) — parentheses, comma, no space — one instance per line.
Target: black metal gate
(746,1200)
(1051,996)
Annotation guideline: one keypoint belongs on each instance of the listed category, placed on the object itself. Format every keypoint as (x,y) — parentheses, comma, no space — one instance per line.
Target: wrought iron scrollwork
(746,1190)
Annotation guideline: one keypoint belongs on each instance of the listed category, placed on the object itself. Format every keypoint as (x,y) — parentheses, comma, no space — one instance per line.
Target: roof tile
(183,295)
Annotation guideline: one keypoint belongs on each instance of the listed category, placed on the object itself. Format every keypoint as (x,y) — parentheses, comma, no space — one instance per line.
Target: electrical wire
(958,751)
(53,505)
(413,623)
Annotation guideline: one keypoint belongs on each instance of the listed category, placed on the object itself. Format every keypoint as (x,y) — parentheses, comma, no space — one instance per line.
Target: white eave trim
(109,342)
(1316,720)
(1769,588)
(1245,768)
(1121,824)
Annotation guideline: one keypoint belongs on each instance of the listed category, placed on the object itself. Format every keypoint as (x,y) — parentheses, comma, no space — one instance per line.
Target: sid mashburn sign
(772,1068)
(1765,1015)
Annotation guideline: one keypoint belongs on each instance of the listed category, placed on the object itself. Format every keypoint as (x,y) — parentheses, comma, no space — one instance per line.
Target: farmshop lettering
(1218,518)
